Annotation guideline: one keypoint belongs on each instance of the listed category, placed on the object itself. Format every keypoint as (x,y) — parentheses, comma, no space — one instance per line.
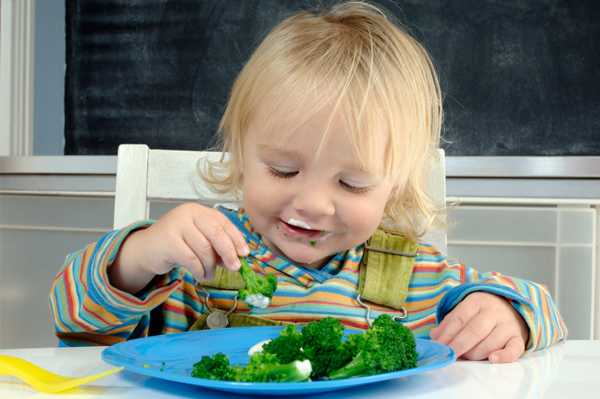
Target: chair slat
(131,203)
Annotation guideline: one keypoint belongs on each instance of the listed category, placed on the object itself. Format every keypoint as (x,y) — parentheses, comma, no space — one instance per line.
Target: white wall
(547,244)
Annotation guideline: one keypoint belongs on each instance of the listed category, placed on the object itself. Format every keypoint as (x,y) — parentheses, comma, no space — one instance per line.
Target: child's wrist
(126,272)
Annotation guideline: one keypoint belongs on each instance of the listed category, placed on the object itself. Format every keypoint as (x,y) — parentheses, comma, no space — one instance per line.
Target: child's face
(309,208)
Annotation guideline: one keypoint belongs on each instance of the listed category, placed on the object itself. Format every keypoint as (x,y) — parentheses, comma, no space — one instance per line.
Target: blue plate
(172,357)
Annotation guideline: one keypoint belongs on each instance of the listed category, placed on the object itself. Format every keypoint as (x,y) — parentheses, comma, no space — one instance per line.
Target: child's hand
(483,326)
(193,236)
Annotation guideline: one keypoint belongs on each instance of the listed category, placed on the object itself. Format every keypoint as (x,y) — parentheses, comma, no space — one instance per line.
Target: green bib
(386,268)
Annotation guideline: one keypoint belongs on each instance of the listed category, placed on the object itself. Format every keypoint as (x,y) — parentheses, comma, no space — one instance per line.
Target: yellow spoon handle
(43,380)
(10,365)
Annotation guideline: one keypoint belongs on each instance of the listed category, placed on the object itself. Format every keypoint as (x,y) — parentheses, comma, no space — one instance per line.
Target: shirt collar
(305,275)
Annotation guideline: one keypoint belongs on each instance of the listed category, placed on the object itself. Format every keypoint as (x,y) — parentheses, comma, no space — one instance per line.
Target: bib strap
(224,279)
(386,268)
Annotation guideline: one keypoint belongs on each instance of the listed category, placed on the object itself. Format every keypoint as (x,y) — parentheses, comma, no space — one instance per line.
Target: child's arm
(192,236)
(483,315)
(89,310)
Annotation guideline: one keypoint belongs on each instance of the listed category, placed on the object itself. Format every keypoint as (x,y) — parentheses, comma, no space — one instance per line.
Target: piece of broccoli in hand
(287,346)
(386,346)
(259,290)
(215,367)
(322,345)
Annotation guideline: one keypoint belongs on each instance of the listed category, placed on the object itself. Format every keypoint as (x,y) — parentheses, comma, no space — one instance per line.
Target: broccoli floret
(352,345)
(215,367)
(260,368)
(259,291)
(287,347)
(401,334)
(265,367)
(386,346)
(322,345)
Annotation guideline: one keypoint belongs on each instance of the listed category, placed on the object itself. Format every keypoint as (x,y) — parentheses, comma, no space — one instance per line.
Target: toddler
(329,127)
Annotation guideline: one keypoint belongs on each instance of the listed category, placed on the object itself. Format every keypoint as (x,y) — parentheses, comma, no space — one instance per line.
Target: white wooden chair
(145,175)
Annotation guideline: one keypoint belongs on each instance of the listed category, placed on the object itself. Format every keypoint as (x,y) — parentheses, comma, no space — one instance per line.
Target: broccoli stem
(250,278)
(354,368)
(292,372)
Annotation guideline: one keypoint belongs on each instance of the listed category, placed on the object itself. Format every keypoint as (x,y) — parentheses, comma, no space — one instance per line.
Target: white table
(569,369)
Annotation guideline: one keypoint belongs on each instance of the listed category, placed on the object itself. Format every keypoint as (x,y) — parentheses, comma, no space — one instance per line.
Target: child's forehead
(281,113)
(315,129)
(288,103)
(304,104)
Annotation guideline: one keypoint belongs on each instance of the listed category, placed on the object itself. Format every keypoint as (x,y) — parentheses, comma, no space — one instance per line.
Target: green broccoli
(215,367)
(322,345)
(259,291)
(265,367)
(401,334)
(386,346)
(352,345)
(287,346)
(318,351)
(260,368)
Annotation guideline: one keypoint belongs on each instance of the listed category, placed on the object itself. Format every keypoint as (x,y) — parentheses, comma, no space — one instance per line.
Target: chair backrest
(145,175)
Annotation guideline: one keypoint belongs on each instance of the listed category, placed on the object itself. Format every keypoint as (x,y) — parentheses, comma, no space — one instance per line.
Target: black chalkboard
(521,77)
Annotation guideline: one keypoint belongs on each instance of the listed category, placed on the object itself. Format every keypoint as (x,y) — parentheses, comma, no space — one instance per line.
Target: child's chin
(307,256)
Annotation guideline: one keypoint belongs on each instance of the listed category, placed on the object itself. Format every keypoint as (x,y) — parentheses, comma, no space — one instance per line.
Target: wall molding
(54,228)
(16,77)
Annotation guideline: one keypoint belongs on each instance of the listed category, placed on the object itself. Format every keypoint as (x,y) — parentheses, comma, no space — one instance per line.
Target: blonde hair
(373,72)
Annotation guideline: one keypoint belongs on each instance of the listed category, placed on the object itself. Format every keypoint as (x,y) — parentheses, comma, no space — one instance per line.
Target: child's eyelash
(353,189)
(346,186)
(281,174)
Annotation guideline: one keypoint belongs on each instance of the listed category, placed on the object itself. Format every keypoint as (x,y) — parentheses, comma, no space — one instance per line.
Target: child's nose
(314,200)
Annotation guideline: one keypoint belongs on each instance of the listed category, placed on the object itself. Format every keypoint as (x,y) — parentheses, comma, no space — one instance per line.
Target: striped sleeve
(531,300)
(87,310)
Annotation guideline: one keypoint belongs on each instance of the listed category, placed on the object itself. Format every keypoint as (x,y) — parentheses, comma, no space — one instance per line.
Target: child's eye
(353,189)
(282,174)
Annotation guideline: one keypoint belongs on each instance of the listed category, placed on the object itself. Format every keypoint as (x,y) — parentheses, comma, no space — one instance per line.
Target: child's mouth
(301,233)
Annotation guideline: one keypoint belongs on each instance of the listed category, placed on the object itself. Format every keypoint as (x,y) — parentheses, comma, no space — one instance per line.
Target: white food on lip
(258,301)
(258,347)
(299,223)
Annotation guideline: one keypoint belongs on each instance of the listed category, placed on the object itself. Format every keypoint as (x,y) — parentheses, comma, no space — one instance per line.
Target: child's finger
(218,240)
(511,352)
(495,341)
(476,330)
(185,256)
(236,236)
(202,248)
(453,323)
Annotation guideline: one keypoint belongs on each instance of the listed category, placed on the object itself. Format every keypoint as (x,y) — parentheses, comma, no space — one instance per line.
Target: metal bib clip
(217,319)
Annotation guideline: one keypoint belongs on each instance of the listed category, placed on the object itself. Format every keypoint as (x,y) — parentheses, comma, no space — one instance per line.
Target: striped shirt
(89,311)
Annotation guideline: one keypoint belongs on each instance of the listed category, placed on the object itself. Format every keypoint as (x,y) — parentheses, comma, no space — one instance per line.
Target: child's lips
(299,232)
